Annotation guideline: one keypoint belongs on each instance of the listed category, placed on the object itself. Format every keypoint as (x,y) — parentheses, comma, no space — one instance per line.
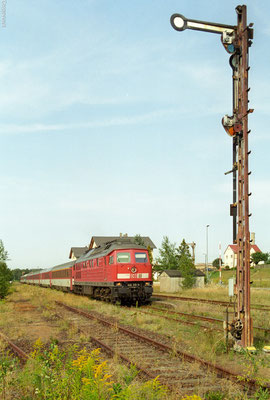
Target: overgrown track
(181,321)
(19,352)
(195,317)
(217,302)
(175,369)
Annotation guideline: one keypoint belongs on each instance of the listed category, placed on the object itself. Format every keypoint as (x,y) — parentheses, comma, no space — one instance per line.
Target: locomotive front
(133,274)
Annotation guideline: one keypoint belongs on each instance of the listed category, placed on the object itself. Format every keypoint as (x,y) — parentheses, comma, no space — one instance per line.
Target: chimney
(252,238)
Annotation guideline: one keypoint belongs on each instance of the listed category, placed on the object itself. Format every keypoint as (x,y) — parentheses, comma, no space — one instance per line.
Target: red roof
(234,247)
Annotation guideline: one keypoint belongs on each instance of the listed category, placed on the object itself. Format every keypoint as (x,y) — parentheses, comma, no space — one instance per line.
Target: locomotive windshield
(141,257)
(123,257)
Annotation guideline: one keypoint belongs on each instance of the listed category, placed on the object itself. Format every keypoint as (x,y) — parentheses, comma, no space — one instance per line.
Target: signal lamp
(228,125)
(178,22)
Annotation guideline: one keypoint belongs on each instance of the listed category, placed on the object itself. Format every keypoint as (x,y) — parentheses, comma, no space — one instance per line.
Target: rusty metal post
(243,234)
(236,41)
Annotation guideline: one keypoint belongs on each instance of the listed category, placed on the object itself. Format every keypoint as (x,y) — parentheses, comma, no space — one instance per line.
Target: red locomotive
(118,270)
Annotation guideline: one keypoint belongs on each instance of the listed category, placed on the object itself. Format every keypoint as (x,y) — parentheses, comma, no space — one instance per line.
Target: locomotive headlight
(133,270)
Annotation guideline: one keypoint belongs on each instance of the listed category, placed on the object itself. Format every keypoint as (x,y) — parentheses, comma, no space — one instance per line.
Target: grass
(209,346)
(260,276)
(214,291)
(72,375)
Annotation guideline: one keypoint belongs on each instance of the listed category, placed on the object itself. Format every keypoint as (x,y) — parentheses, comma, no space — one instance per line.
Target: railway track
(17,350)
(195,317)
(153,356)
(177,369)
(217,302)
(210,328)
(168,368)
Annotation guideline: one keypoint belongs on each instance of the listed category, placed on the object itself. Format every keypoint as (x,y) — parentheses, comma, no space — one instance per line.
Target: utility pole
(219,259)
(207,226)
(236,41)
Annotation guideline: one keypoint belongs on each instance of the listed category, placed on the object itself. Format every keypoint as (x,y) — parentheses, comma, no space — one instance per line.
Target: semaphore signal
(236,41)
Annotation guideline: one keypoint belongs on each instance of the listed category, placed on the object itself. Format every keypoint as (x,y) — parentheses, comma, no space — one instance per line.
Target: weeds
(251,365)
(7,365)
(72,375)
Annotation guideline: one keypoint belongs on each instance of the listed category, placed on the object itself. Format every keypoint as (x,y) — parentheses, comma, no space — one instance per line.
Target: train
(117,271)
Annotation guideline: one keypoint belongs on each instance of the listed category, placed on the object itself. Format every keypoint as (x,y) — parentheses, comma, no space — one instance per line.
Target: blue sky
(110,121)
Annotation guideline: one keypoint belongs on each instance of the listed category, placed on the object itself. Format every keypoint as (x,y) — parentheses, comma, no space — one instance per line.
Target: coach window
(111,260)
(97,262)
(123,257)
(140,257)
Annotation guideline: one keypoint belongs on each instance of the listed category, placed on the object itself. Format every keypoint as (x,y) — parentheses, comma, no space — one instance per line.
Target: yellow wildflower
(86,381)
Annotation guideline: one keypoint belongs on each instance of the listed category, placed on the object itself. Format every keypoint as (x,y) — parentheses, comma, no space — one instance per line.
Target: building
(171,280)
(76,252)
(100,240)
(230,254)
(201,266)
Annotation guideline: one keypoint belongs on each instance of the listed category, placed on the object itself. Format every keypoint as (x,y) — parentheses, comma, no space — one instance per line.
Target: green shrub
(5,277)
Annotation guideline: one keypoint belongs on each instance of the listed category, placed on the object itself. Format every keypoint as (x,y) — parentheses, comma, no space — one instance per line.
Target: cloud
(143,118)
(117,121)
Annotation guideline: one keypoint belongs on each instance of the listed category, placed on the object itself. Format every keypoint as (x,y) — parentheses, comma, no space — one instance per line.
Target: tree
(3,252)
(17,273)
(167,258)
(139,240)
(258,256)
(150,253)
(5,278)
(186,265)
(215,263)
(183,250)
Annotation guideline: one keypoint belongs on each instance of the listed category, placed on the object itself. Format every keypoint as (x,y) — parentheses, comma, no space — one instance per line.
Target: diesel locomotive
(119,270)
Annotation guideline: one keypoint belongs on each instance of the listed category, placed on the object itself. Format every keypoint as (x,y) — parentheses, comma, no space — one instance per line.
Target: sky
(110,121)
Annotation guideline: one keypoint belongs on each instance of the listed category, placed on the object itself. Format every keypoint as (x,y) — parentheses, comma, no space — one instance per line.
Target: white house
(230,254)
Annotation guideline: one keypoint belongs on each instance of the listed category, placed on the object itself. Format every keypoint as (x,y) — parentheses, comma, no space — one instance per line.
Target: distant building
(200,266)
(171,280)
(230,254)
(77,252)
(100,240)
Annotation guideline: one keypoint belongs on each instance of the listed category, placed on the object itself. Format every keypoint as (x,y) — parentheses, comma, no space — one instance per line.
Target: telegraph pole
(236,41)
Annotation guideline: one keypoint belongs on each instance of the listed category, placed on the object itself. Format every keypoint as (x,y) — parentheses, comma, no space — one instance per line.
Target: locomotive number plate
(140,276)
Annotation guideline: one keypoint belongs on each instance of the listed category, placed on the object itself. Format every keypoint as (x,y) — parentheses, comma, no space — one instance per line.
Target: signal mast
(236,41)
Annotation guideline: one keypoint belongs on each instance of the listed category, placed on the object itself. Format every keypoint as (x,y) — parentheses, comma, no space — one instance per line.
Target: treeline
(17,273)
(5,273)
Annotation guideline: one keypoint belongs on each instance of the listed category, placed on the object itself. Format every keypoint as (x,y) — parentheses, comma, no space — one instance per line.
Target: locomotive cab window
(140,257)
(111,260)
(123,257)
